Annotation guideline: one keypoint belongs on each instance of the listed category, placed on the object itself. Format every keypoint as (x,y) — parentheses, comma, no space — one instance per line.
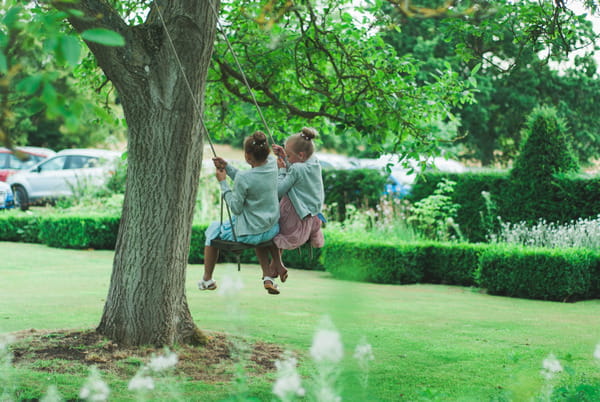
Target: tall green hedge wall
(565,198)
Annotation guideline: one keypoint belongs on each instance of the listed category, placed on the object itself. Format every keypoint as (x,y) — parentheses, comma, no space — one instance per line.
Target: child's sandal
(207,285)
(271,287)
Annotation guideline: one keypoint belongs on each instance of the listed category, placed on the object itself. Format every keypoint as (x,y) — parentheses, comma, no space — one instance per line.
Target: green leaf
(104,37)
(35,106)
(11,17)
(70,49)
(29,85)
(50,44)
(49,94)
(76,13)
(476,69)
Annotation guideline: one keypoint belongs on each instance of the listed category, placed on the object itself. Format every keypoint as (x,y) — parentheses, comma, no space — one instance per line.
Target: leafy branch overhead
(319,64)
(331,65)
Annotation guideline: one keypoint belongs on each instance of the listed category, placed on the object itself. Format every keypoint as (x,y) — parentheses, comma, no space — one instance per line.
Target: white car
(59,175)
(6,196)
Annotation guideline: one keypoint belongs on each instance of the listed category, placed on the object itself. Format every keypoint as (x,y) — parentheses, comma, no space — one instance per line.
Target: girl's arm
(235,198)
(231,171)
(286,180)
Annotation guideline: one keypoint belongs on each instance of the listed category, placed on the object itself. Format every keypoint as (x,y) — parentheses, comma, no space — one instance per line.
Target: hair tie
(306,137)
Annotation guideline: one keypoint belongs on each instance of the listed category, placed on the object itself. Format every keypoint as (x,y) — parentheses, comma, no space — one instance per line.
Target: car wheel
(21,198)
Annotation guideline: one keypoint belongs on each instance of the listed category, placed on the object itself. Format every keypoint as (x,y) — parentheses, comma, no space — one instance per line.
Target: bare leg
(262,253)
(277,268)
(211,254)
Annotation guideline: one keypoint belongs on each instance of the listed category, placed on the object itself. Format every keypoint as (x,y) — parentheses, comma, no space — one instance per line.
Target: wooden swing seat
(237,247)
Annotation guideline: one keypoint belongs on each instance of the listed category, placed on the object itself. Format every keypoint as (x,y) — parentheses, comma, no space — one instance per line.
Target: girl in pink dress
(301,194)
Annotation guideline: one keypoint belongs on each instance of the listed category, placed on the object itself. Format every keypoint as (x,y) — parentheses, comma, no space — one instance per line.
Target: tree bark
(146,302)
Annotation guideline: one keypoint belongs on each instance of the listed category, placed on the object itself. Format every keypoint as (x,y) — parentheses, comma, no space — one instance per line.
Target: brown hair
(256,145)
(303,141)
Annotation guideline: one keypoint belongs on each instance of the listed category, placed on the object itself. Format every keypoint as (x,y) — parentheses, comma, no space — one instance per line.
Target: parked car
(61,174)
(6,196)
(401,178)
(11,163)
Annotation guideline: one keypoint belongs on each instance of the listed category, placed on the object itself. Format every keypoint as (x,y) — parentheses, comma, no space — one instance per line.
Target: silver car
(59,175)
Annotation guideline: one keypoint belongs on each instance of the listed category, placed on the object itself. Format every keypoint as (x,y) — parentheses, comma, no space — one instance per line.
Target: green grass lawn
(430,342)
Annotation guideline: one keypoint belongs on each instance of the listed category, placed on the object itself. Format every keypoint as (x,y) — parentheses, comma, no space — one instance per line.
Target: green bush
(79,232)
(433,217)
(19,228)
(569,198)
(452,263)
(359,187)
(382,262)
(546,149)
(374,262)
(545,274)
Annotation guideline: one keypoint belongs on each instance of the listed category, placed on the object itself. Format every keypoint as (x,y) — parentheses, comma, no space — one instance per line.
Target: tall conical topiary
(546,148)
(546,151)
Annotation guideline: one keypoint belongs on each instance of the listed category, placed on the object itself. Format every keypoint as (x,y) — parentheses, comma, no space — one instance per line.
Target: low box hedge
(374,262)
(80,232)
(452,263)
(100,232)
(546,274)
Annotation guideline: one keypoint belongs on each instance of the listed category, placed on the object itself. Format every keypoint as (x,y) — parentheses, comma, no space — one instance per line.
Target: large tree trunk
(146,302)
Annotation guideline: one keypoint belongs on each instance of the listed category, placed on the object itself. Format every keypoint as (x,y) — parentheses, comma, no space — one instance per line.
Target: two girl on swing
(271,201)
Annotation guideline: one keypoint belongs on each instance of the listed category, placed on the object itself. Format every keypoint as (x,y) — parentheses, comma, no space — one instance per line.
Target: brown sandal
(271,287)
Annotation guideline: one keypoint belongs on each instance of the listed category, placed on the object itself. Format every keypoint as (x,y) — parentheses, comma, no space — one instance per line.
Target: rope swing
(234,247)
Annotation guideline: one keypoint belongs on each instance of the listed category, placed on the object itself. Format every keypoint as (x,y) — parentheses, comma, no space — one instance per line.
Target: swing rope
(238,64)
(232,246)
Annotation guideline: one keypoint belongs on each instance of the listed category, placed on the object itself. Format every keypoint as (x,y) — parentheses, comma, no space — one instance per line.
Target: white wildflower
(551,366)
(163,362)
(327,346)
(230,286)
(597,352)
(327,351)
(94,389)
(141,382)
(288,382)
(327,394)
(52,395)
(5,342)
(363,352)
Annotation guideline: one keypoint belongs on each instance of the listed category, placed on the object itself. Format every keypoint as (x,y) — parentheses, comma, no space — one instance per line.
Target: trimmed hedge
(79,232)
(23,229)
(453,263)
(545,274)
(374,262)
(425,262)
(100,232)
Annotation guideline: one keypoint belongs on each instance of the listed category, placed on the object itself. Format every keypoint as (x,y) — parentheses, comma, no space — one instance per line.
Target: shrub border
(516,271)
